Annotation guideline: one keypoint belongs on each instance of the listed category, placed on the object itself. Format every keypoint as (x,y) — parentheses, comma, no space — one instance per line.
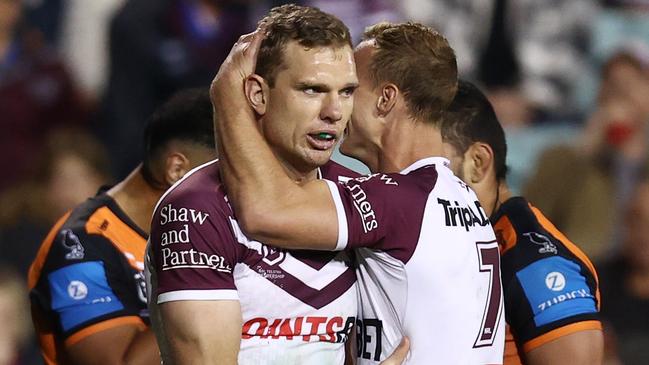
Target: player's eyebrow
(351,85)
(303,85)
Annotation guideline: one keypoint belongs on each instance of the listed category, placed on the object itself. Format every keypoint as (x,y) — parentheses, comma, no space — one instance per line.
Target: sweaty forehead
(301,62)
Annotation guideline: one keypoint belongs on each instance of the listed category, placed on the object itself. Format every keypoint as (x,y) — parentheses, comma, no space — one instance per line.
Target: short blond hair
(419,61)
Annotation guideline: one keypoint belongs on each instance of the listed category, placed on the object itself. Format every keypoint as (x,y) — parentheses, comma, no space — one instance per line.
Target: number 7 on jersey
(489,263)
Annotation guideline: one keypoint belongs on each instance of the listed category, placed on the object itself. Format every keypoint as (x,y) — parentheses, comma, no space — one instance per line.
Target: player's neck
(498,194)
(136,198)
(406,142)
(491,192)
(299,175)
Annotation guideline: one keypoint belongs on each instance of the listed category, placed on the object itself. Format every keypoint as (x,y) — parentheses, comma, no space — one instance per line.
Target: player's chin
(319,157)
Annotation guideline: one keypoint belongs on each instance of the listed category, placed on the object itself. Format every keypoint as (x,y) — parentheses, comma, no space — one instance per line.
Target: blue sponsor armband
(555,289)
(80,293)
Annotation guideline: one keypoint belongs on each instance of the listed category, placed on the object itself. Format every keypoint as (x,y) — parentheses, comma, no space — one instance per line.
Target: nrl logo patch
(546,245)
(71,242)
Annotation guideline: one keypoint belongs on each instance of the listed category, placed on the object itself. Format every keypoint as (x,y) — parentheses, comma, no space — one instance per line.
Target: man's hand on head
(238,66)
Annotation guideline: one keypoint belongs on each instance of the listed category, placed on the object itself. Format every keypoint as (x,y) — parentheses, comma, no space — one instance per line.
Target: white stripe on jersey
(342,217)
(221,294)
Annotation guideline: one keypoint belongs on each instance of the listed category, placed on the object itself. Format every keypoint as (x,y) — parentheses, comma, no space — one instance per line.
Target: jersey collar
(441,161)
(510,207)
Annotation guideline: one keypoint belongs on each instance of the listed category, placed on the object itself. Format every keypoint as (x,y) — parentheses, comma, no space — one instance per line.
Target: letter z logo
(555,281)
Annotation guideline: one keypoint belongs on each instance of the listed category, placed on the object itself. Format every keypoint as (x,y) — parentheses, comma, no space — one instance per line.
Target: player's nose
(331,111)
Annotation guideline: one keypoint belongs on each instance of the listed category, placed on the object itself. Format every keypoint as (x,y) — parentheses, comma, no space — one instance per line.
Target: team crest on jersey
(71,242)
(546,245)
(272,256)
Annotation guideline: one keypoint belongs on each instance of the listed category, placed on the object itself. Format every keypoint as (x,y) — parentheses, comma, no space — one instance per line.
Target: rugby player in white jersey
(428,264)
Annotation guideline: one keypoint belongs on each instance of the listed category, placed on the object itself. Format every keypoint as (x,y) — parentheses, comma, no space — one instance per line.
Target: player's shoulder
(200,188)
(433,176)
(194,211)
(519,231)
(427,169)
(527,236)
(71,240)
(85,218)
(420,177)
(78,217)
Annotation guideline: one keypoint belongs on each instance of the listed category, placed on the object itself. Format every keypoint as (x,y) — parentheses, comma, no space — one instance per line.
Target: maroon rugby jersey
(298,307)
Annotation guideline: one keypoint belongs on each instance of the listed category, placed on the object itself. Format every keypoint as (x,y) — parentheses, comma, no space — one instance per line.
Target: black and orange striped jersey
(87,277)
(551,287)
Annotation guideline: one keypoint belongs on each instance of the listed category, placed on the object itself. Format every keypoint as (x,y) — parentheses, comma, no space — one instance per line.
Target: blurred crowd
(569,80)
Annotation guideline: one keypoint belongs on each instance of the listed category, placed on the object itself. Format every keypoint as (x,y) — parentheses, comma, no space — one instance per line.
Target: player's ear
(388,99)
(176,166)
(480,157)
(256,90)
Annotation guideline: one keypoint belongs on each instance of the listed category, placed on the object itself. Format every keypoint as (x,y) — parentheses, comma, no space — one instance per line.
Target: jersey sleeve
(86,285)
(553,295)
(192,248)
(370,208)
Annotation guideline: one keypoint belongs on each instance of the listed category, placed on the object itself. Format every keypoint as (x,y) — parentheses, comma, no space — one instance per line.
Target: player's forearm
(256,184)
(248,166)
(254,179)
(267,202)
(270,207)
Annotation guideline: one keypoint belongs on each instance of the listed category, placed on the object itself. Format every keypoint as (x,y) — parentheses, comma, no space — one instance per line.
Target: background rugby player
(87,287)
(550,286)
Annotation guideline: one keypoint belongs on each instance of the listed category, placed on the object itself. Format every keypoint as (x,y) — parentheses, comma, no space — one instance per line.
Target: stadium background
(569,80)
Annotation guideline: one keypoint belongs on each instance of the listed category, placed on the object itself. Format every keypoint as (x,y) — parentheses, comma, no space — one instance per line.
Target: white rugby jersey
(428,266)
(298,307)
